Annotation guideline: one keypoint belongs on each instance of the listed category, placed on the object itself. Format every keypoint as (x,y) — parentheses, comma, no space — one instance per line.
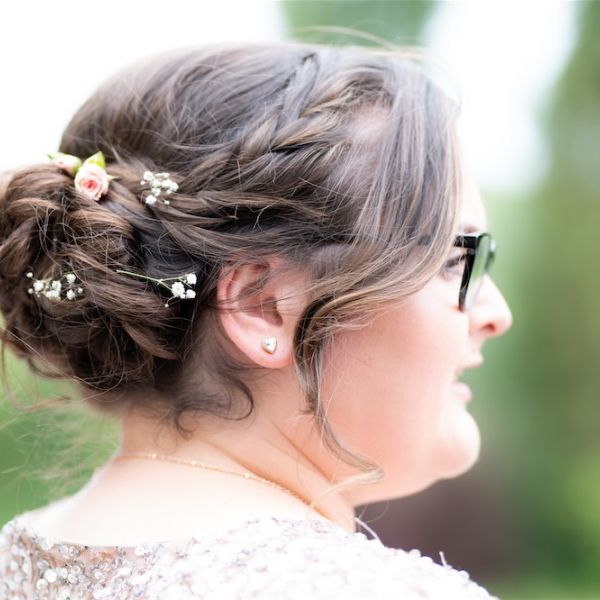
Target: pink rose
(67,162)
(92,181)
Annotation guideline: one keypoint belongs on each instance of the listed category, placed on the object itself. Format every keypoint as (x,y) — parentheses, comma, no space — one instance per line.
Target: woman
(270,264)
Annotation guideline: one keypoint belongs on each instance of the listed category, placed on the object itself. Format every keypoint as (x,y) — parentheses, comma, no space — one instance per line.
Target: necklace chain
(202,465)
(246,475)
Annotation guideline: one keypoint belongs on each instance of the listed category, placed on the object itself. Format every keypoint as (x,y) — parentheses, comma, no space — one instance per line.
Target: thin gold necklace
(202,465)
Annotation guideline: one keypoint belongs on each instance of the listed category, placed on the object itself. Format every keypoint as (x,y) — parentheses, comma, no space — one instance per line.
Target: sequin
(272,558)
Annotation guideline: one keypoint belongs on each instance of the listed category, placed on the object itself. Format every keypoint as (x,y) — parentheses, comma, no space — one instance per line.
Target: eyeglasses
(481,251)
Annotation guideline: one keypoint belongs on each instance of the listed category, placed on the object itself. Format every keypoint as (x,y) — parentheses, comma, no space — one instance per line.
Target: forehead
(473,216)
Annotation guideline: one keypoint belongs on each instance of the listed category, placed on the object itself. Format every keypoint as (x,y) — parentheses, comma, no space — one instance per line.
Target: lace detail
(260,558)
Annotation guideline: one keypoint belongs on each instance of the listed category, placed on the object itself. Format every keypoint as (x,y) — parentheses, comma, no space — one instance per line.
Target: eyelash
(449,265)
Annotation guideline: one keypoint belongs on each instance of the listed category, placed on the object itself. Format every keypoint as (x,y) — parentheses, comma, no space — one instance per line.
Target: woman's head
(338,166)
(394,391)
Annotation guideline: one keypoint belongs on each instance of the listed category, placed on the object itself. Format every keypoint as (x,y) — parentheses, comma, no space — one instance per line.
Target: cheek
(387,391)
(386,385)
(458,443)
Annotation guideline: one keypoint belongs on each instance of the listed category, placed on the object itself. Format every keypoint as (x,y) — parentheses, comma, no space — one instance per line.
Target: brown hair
(342,160)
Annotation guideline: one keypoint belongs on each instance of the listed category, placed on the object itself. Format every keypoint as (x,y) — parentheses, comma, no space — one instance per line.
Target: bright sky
(51,63)
(505,55)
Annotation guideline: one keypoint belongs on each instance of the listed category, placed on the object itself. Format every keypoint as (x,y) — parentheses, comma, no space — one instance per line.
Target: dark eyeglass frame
(473,244)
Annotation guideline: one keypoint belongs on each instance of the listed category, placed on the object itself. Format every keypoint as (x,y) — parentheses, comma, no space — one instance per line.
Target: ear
(251,310)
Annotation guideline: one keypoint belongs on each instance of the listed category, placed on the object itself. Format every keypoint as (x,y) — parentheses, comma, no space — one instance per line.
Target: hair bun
(109,332)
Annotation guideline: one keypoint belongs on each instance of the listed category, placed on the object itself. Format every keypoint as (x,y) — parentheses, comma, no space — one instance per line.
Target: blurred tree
(559,267)
(398,22)
(541,382)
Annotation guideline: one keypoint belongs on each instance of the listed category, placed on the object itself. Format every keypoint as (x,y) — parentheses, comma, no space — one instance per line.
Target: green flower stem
(160,281)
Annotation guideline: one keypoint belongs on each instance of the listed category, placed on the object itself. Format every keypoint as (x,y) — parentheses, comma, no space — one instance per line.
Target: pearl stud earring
(269,344)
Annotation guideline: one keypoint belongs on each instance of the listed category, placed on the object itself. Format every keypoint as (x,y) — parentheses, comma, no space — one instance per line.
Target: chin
(461,451)
(450,455)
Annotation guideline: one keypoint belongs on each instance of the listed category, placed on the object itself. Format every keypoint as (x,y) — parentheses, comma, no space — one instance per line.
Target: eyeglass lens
(483,260)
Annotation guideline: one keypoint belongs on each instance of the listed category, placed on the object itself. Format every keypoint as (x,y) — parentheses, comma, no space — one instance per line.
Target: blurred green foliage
(46,451)
(397,22)
(557,467)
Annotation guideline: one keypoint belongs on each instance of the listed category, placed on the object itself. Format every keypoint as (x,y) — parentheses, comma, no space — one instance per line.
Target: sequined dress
(266,557)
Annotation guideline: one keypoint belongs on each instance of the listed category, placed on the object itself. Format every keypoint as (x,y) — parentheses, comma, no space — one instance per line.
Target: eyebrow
(469,228)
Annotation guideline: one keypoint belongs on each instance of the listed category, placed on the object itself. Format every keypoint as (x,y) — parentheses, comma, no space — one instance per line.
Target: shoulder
(266,557)
(285,558)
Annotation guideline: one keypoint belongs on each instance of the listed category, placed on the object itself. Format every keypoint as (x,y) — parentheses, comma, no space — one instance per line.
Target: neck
(261,448)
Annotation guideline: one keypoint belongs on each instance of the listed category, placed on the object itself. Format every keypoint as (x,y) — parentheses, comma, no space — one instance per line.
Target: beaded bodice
(270,557)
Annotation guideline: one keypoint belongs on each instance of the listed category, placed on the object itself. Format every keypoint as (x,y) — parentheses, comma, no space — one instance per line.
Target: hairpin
(178,289)
(52,288)
(91,178)
(67,287)
(159,183)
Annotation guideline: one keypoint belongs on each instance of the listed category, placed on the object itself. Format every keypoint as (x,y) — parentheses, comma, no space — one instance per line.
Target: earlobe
(256,313)
(269,344)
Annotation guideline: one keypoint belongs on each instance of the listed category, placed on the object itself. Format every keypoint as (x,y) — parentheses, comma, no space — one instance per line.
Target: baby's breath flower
(159,183)
(52,288)
(178,290)
(177,287)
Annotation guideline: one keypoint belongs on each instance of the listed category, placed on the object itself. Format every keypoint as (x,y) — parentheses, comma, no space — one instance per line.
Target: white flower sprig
(159,183)
(178,289)
(53,288)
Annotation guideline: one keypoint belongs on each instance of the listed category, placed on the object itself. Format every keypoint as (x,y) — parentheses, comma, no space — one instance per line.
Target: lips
(472,365)
(462,389)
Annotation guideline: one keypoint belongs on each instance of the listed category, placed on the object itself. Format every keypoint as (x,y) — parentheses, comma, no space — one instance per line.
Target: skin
(389,393)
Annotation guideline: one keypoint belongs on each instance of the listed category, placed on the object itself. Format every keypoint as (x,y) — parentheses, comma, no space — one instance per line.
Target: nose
(490,315)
